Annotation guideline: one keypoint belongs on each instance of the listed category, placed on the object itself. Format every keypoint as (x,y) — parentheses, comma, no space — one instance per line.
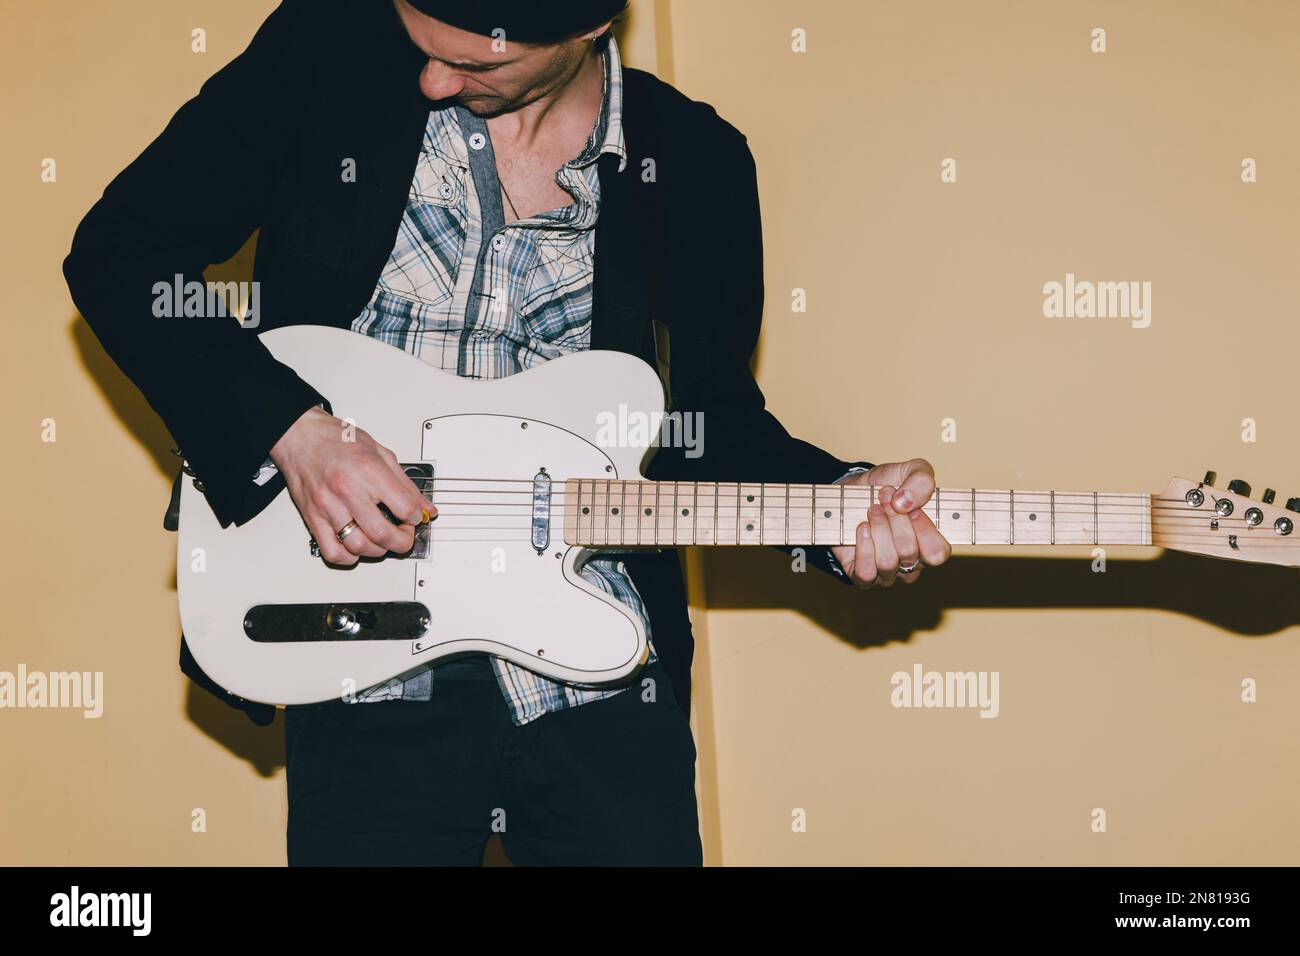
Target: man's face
(485,80)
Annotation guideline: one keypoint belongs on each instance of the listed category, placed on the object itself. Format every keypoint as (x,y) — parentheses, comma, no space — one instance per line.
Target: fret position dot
(685,512)
(749,527)
(649,510)
(827,514)
(1032,516)
(956,515)
(586,511)
(613,511)
(749,497)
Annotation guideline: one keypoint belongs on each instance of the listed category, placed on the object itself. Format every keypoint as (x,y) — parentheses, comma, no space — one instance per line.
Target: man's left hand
(897,534)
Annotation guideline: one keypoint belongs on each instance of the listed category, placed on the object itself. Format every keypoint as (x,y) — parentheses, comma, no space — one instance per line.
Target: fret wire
(812,527)
(1012,532)
(1052,498)
(972,516)
(842,513)
(657,489)
(672,532)
(715,512)
(694,513)
(1094,517)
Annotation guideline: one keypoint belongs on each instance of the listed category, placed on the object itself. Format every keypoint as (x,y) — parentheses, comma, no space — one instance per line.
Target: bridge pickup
(299,623)
(422,474)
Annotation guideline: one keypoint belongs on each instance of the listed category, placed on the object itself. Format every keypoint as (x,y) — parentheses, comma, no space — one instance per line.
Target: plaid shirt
(472,295)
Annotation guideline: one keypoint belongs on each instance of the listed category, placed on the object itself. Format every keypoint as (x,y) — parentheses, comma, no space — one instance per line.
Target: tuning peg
(1239,487)
(1269,495)
(1210,476)
(1293,504)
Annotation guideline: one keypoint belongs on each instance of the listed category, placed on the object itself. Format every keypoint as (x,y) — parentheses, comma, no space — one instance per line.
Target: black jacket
(262,147)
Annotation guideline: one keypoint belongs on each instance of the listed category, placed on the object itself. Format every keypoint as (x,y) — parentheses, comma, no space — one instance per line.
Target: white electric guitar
(531,478)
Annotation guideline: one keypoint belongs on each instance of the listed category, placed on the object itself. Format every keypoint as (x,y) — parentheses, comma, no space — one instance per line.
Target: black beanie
(527,21)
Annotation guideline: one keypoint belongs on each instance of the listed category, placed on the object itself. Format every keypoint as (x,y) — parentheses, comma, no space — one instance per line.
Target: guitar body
(269,620)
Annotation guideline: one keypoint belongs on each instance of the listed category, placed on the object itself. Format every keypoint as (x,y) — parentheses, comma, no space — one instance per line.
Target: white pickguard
(489,595)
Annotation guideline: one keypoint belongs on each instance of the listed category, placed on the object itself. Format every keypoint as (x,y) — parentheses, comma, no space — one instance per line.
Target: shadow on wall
(123,397)
(1248,600)
(262,747)
(126,402)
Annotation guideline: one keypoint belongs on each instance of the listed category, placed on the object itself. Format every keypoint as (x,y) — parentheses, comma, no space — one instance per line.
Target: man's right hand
(337,474)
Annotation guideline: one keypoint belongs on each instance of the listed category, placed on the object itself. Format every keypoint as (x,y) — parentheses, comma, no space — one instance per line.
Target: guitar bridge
(422,474)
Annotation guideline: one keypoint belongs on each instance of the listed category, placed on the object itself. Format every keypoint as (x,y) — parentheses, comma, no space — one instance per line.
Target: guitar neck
(600,513)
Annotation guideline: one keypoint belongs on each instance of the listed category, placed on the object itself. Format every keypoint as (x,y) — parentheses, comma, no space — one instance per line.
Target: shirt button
(477,141)
(498,242)
(445,190)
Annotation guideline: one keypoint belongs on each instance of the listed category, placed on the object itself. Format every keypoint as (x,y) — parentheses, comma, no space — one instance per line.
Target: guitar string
(1080,518)
(805,496)
(662,487)
(1160,541)
(1103,522)
(658,529)
(807,504)
(794,485)
(601,485)
(832,503)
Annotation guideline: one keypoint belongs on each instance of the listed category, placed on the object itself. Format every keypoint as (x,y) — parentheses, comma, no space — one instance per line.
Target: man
(484,185)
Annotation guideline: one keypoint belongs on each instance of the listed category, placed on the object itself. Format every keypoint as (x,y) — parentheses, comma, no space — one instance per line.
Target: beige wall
(1118,691)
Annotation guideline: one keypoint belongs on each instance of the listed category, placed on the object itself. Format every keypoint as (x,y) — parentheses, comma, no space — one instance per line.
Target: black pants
(427,783)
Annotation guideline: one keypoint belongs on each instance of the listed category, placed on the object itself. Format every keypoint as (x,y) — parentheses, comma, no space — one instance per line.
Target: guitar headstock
(1196,517)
